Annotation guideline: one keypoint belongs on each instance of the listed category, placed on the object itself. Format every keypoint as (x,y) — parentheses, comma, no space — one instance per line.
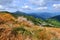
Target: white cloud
(56,6)
(8,5)
(41,8)
(56,0)
(2,7)
(26,7)
(13,5)
(37,2)
(5,2)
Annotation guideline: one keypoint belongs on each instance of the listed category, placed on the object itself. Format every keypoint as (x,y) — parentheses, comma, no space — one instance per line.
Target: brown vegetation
(22,29)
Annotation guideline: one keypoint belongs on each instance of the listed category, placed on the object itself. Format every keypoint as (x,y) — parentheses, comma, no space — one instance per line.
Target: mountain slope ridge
(20,30)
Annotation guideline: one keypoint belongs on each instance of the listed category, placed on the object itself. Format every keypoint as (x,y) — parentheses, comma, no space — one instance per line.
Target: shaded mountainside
(36,21)
(44,15)
(56,17)
(54,20)
(22,28)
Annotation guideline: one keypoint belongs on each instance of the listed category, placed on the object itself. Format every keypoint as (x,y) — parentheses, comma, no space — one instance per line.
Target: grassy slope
(13,30)
(36,21)
(54,22)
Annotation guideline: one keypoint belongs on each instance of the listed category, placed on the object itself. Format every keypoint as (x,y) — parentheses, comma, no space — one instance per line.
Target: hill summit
(6,16)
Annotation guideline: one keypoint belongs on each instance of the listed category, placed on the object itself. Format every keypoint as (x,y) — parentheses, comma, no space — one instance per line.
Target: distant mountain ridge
(38,20)
(56,17)
(44,15)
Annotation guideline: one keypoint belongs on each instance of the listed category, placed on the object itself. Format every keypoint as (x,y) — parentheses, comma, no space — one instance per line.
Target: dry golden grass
(37,32)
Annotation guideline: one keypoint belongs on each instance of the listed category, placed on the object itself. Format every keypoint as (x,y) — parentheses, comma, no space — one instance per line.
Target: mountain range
(42,15)
(56,17)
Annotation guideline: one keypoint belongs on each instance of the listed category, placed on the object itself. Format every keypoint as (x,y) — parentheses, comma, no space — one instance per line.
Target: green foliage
(54,22)
(20,30)
(34,34)
(38,21)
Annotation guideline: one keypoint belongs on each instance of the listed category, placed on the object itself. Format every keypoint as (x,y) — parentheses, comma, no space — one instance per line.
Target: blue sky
(30,5)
